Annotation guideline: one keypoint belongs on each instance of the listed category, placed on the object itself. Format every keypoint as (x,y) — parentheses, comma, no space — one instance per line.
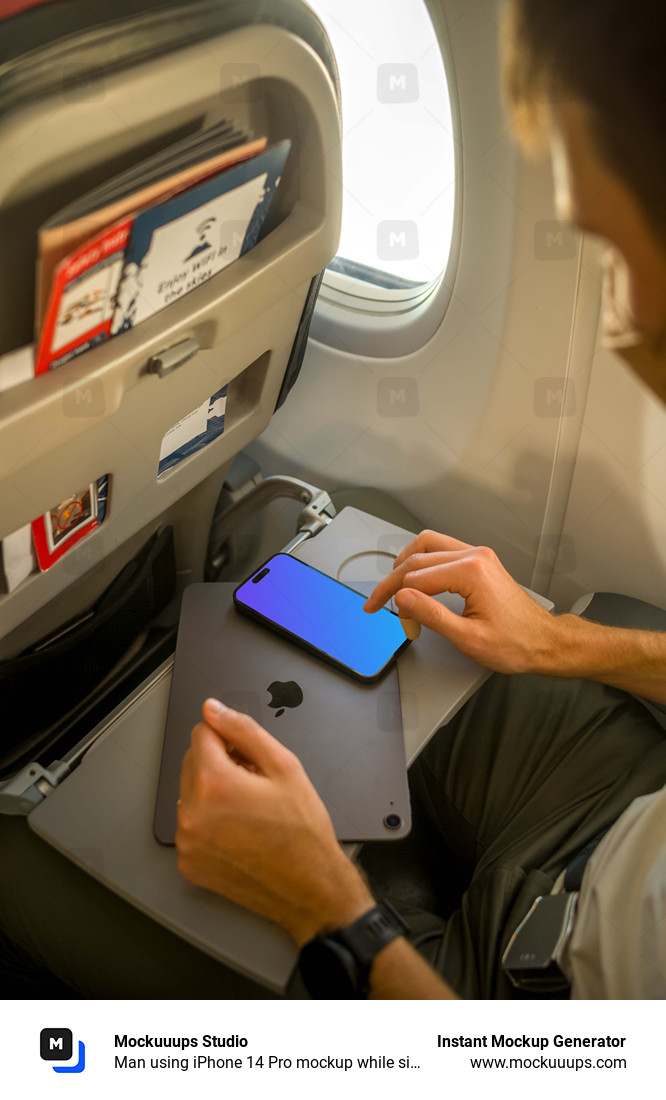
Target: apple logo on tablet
(284,693)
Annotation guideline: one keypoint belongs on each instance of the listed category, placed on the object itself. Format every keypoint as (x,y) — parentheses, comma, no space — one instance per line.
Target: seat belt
(573,875)
(534,954)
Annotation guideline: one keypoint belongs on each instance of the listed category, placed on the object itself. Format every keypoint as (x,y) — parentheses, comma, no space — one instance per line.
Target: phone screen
(322,613)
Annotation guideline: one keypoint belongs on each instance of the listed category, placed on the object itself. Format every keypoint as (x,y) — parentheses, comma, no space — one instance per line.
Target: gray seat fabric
(611,609)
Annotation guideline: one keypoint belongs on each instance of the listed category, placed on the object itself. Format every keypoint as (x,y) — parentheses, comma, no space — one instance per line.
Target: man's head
(587,79)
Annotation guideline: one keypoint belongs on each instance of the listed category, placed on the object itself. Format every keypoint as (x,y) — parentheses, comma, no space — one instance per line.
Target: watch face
(330,971)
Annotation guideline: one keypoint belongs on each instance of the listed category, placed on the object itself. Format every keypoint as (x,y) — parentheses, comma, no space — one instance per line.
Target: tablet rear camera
(392,821)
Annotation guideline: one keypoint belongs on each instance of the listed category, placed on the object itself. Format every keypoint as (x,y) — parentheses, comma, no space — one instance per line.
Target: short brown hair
(609,54)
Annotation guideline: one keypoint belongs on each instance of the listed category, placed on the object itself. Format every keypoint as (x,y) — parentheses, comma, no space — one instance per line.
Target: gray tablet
(348,735)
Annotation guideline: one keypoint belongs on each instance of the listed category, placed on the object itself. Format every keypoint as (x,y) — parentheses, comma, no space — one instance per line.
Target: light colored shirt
(618,945)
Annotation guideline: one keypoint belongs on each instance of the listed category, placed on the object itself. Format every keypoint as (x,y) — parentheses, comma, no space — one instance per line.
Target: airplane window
(398,145)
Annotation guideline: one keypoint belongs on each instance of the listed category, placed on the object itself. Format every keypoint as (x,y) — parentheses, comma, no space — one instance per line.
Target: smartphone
(323,616)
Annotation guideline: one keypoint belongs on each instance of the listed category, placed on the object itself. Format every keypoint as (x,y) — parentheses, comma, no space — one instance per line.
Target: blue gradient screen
(324,613)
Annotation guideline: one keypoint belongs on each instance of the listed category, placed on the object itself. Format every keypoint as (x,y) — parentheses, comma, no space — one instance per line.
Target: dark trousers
(528,771)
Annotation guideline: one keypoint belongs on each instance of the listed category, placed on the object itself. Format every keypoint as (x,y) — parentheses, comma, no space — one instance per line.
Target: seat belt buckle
(533,959)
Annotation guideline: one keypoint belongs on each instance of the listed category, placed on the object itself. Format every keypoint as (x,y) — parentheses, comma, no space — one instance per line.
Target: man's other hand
(252,827)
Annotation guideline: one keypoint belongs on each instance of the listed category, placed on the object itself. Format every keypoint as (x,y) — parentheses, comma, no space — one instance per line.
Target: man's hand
(252,827)
(501,626)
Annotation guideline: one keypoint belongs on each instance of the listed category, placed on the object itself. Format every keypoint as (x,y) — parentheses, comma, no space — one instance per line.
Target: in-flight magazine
(143,263)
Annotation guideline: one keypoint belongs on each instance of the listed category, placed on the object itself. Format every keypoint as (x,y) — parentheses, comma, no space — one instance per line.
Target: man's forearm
(399,973)
(633,660)
(338,899)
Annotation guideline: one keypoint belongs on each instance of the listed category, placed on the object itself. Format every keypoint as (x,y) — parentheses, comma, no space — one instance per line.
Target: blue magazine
(178,245)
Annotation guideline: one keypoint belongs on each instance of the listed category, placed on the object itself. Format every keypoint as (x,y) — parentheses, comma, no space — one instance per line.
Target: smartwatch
(336,965)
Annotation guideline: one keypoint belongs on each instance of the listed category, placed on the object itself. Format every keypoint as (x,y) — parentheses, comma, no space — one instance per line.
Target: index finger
(415,562)
(427,542)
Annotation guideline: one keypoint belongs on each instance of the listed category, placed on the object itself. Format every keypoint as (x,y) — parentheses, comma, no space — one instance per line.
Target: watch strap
(373,931)
(337,963)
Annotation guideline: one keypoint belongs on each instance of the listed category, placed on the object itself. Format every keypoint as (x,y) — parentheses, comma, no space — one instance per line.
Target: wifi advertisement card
(135,268)
(179,244)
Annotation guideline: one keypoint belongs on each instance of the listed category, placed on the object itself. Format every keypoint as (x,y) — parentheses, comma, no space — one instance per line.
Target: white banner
(392,1049)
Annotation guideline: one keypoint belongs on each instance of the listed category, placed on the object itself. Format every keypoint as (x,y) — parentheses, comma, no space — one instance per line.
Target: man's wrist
(339,903)
(338,962)
(577,648)
(557,653)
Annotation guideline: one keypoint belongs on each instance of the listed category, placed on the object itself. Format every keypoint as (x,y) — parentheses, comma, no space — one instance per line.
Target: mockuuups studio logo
(56,1045)
(558,552)
(84,398)
(554,397)
(240,82)
(554,240)
(397,83)
(397,240)
(397,397)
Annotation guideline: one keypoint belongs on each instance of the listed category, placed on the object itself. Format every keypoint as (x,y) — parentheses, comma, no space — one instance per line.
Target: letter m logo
(85,399)
(554,397)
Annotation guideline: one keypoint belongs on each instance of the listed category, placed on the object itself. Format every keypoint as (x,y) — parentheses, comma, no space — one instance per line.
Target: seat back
(86,91)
